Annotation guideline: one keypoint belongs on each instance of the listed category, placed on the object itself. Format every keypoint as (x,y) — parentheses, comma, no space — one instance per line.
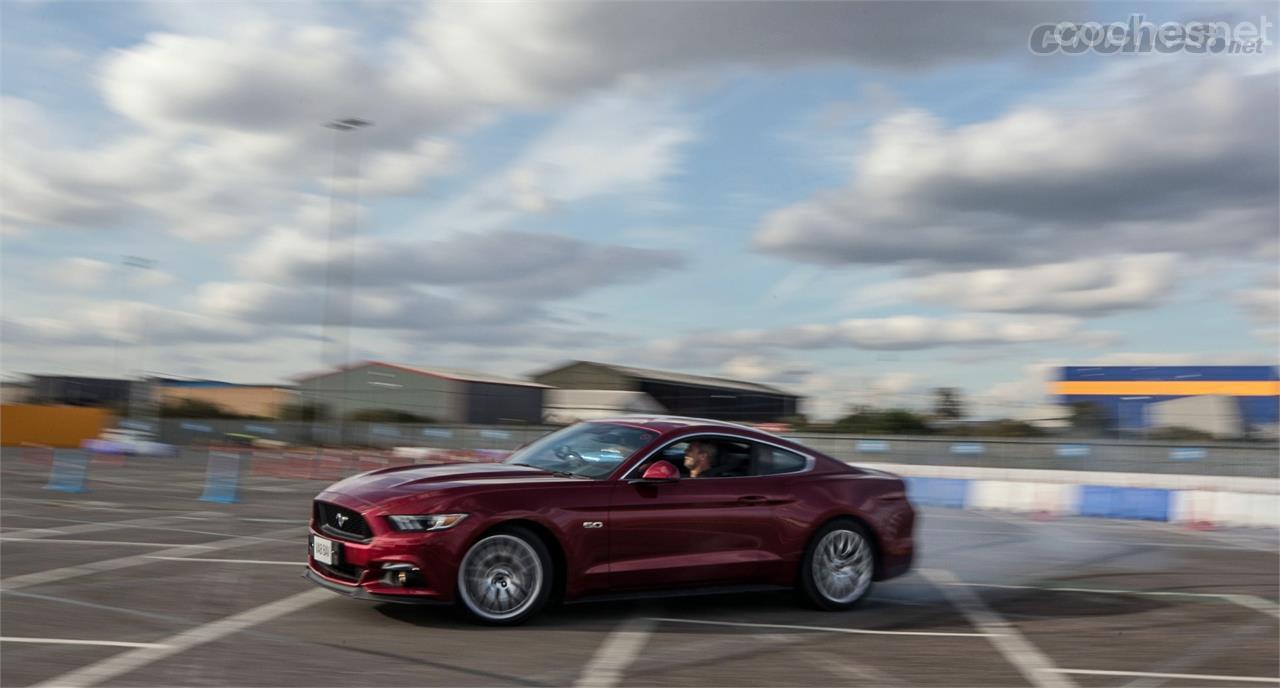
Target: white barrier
(1194,500)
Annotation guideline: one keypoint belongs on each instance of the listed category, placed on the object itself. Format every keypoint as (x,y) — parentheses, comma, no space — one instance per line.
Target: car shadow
(889,608)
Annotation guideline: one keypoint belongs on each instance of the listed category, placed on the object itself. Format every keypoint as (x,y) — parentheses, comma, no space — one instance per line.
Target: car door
(694,531)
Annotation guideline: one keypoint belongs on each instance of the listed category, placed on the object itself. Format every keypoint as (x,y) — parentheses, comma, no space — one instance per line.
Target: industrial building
(680,394)
(1225,401)
(565,406)
(429,394)
(73,390)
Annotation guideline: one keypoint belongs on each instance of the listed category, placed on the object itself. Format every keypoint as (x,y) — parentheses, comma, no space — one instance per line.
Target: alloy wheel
(842,566)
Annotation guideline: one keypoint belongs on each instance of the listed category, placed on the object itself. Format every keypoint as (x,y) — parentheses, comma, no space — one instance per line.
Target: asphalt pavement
(138,583)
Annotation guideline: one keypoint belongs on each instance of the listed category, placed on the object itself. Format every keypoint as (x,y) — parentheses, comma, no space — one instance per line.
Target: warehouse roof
(445,373)
(683,378)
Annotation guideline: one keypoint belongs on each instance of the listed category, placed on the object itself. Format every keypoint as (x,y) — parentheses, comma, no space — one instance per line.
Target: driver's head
(699,457)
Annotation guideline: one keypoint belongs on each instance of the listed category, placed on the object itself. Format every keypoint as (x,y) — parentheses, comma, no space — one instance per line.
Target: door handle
(753,499)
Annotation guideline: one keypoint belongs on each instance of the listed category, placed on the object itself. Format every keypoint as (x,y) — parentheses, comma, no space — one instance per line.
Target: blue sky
(855,201)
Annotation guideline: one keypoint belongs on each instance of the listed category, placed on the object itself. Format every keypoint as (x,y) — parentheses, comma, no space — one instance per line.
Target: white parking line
(615,654)
(111,543)
(122,664)
(1033,664)
(67,572)
(142,524)
(232,561)
(69,641)
(825,629)
(1250,601)
(83,526)
(853,672)
(1152,674)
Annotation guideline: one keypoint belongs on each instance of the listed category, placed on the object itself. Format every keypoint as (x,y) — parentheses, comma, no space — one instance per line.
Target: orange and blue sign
(1125,392)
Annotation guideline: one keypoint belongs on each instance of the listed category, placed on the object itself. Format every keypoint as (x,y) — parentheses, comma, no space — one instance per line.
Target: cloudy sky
(854,201)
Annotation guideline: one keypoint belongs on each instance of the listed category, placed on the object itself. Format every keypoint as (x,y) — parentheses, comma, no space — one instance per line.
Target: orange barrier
(55,426)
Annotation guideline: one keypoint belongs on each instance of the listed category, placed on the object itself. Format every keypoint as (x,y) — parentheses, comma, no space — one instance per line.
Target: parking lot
(138,583)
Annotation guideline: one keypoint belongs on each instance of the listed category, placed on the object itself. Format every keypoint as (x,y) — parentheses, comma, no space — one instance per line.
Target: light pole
(142,264)
(340,127)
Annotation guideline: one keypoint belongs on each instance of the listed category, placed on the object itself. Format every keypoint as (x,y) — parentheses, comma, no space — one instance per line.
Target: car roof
(664,424)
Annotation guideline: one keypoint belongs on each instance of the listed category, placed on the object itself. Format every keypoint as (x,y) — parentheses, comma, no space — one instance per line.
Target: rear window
(774,461)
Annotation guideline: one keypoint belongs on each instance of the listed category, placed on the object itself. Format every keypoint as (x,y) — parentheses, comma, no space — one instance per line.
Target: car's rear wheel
(505,577)
(838,566)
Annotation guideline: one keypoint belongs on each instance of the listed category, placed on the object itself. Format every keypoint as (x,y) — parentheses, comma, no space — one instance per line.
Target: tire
(505,577)
(838,565)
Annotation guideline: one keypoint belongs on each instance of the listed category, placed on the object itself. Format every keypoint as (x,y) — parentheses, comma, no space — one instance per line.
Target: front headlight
(424,523)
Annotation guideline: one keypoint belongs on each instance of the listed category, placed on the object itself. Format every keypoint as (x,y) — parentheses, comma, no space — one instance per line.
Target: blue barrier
(1187,454)
(1067,451)
(872,446)
(968,448)
(949,492)
(69,471)
(222,479)
(1135,503)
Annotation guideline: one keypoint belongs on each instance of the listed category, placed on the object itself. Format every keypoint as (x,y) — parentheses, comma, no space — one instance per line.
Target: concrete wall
(55,426)
(1209,458)
(195,431)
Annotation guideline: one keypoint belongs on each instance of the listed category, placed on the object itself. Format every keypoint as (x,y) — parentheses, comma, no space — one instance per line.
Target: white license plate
(323,550)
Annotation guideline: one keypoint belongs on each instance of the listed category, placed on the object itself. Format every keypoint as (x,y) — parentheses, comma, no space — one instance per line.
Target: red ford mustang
(621,507)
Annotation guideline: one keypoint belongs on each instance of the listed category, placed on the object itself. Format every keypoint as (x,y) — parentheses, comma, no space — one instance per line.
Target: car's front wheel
(505,577)
(838,566)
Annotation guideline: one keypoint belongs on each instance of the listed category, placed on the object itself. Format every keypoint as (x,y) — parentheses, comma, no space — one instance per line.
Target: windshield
(589,450)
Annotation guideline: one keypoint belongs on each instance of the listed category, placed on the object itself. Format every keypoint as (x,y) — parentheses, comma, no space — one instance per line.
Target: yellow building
(249,400)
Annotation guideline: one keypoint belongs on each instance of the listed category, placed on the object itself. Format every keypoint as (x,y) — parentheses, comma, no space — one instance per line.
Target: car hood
(392,483)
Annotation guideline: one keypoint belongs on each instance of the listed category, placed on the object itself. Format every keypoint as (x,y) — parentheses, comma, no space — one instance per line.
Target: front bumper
(356,592)
(360,570)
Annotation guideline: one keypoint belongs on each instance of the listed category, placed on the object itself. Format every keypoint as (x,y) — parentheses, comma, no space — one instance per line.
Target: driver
(700,459)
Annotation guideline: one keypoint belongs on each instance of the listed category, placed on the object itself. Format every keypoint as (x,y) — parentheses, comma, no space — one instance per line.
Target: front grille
(345,572)
(340,522)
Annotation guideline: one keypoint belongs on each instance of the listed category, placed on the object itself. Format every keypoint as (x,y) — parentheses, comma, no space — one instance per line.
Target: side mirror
(661,472)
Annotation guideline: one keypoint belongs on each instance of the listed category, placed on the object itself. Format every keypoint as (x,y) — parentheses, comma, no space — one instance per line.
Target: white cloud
(80,273)
(1089,286)
(912,332)
(1262,303)
(395,173)
(1188,167)
(537,52)
(514,265)
(619,144)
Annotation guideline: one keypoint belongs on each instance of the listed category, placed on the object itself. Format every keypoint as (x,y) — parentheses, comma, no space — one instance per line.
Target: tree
(871,421)
(1089,418)
(797,422)
(1178,433)
(948,403)
(1001,427)
(198,408)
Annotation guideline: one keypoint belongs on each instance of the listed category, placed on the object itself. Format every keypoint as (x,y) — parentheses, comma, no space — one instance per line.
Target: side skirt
(677,592)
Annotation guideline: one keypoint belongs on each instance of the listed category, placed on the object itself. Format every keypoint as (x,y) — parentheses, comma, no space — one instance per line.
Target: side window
(708,457)
(773,461)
